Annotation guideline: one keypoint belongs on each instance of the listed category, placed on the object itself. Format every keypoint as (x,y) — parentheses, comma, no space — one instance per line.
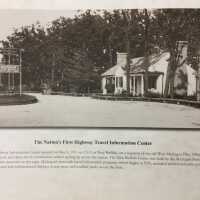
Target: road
(65,111)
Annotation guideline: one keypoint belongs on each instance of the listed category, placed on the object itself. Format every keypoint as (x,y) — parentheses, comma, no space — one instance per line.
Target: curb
(159,100)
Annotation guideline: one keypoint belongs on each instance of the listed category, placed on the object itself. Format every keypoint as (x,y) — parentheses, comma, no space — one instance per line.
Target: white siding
(160,66)
(120,73)
(191,89)
(103,82)
(159,84)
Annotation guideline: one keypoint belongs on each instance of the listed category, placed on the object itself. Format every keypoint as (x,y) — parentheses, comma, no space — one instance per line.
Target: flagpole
(20,73)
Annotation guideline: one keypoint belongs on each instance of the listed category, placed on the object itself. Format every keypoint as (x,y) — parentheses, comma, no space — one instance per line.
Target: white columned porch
(104,85)
(134,86)
(115,84)
(162,85)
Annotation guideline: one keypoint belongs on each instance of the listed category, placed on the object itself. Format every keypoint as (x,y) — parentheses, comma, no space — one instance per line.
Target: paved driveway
(56,111)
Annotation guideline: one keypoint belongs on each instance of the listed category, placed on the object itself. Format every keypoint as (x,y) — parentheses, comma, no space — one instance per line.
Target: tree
(122,32)
(31,39)
(89,41)
(175,25)
(146,49)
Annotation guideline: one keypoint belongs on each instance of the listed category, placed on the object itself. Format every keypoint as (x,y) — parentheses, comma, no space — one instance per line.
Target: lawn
(16,99)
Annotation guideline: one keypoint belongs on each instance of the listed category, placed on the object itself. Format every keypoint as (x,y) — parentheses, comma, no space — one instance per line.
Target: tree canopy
(71,53)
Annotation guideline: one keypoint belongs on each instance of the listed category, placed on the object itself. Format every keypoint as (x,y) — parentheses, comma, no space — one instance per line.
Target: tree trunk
(110,52)
(173,67)
(146,78)
(146,53)
(127,42)
(167,82)
(128,67)
(172,86)
(53,69)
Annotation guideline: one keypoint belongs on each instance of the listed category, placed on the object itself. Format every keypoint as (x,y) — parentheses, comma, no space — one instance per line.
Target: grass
(16,99)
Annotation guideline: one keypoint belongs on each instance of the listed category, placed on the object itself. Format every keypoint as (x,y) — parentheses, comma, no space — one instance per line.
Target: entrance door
(138,85)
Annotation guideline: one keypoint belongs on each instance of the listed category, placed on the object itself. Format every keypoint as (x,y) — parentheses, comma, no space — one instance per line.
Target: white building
(185,80)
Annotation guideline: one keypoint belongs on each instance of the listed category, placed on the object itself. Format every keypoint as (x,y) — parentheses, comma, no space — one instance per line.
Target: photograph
(100,68)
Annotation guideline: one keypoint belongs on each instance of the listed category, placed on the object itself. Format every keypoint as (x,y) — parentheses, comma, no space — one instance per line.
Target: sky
(10,19)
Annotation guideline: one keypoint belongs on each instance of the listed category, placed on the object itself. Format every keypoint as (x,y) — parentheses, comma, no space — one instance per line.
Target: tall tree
(146,49)
(174,25)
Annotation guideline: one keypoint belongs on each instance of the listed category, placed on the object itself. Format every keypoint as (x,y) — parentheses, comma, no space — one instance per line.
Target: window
(136,83)
(132,81)
(113,80)
(152,82)
(109,80)
(120,81)
(117,82)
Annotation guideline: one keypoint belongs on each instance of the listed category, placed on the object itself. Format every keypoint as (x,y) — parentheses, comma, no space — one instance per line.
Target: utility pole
(8,73)
(20,72)
(13,78)
(1,61)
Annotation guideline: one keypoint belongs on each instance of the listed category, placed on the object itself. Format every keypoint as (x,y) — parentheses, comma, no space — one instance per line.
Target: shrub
(153,94)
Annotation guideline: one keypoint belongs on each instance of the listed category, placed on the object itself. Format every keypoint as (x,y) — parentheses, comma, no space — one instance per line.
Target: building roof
(112,71)
(157,64)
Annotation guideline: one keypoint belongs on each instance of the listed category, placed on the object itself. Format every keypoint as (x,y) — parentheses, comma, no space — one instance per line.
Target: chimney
(121,58)
(182,47)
